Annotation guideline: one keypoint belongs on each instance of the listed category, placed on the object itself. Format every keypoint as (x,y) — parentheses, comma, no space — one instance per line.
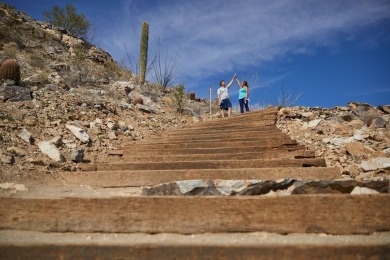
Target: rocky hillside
(73,102)
(355,138)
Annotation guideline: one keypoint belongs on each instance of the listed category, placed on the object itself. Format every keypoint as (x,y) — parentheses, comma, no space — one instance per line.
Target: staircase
(246,147)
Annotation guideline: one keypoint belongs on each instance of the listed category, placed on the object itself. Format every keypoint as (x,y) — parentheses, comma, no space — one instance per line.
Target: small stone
(341,141)
(26,136)
(112,135)
(51,151)
(313,123)
(146,109)
(357,149)
(57,141)
(379,122)
(362,190)
(20,187)
(79,133)
(375,164)
(77,155)
(7,159)
(17,151)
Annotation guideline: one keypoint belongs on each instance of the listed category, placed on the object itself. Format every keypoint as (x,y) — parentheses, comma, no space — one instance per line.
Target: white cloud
(216,36)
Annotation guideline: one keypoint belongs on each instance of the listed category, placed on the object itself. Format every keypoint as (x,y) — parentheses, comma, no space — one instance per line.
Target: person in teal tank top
(243,95)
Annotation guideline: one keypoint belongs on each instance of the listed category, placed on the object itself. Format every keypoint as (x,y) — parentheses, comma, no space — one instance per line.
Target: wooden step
(216,150)
(130,157)
(221,164)
(35,245)
(221,129)
(330,214)
(216,137)
(264,143)
(153,177)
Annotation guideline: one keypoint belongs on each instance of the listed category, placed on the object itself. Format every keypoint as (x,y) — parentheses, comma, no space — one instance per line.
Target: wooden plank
(220,164)
(215,138)
(195,251)
(133,157)
(212,150)
(227,144)
(149,178)
(331,214)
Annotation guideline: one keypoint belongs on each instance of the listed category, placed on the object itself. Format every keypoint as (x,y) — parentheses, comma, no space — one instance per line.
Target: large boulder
(15,93)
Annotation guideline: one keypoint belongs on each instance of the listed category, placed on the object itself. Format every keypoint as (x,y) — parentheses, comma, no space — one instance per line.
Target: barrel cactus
(10,69)
(138,100)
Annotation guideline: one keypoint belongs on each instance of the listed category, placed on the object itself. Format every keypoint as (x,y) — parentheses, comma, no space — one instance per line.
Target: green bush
(179,98)
(69,19)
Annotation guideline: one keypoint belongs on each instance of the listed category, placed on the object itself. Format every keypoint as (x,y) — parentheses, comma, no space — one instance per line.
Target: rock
(356,124)
(357,149)
(341,141)
(98,121)
(30,121)
(339,186)
(196,187)
(146,109)
(113,125)
(363,190)
(343,130)
(218,187)
(231,187)
(7,158)
(384,109)
(51,151)
(122,126)
(10,185)
(125,87)
(17,151)
(112,135)
(378,122)
(79,133)
(26,136)
(77,155)
(375,164)
(15,93)
(183,188)
(57,141)
(312,124)
(366,113)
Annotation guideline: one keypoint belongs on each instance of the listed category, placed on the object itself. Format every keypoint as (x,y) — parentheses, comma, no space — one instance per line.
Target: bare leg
(222,113)
(229,112)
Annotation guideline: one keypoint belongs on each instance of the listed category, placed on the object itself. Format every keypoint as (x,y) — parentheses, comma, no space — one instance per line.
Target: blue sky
(331,52)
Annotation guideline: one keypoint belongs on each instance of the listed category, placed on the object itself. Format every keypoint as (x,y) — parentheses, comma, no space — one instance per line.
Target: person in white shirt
(223,97)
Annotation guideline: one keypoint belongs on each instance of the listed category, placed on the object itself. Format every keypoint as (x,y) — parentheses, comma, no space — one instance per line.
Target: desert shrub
(179,95)
(69,19)
(10,49)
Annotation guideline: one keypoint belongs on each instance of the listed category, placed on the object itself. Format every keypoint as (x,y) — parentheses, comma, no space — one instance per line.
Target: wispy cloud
(217,36)
(373,91)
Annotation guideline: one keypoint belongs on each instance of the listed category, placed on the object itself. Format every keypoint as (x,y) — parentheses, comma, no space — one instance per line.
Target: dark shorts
(225,104)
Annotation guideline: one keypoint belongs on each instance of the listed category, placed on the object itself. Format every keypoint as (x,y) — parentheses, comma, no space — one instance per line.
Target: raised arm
(231,82)
(238,82)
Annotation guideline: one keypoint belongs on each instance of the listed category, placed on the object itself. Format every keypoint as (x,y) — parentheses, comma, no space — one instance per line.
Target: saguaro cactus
(143,52)
(10,69)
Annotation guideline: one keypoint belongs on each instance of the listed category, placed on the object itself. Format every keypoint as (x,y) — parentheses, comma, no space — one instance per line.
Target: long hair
(245,83)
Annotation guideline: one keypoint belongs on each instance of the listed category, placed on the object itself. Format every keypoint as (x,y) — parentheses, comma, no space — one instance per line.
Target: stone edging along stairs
(246,147)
